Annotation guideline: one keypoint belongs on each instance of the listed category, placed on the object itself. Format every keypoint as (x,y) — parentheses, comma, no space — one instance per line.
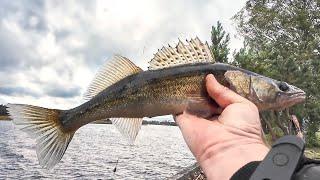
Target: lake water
(158,153)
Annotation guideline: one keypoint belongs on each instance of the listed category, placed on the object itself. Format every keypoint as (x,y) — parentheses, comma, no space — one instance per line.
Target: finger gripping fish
(125,94)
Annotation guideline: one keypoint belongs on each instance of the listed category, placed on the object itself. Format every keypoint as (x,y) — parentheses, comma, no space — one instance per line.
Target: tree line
(281,41)
(3,110)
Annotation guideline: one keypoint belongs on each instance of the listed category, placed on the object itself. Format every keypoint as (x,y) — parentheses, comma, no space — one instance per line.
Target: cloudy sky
(50,50)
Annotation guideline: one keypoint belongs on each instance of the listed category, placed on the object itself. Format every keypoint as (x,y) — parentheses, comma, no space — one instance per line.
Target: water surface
(158,153)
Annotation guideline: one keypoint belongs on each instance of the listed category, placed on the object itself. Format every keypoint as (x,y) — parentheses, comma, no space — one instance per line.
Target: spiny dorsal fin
(193,52)
(112,71)
(128,127)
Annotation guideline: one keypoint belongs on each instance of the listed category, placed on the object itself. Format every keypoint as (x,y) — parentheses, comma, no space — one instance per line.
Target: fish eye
(283,86)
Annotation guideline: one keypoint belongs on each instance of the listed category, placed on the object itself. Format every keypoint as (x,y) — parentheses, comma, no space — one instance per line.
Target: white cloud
(62,45)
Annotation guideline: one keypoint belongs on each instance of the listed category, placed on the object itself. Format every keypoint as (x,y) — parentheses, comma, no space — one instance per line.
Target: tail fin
(43,125)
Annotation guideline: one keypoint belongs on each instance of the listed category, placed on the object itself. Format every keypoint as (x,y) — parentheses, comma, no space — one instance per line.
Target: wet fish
(125,93)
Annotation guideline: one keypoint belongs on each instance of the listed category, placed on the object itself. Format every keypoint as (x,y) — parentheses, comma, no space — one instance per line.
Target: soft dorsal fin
(112,71)
(193,52)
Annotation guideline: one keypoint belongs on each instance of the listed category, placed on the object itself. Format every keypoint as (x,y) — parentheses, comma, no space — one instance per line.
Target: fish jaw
(278,99)
(293,97)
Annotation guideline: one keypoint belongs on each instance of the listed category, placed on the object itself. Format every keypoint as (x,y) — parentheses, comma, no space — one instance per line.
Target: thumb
(221,94)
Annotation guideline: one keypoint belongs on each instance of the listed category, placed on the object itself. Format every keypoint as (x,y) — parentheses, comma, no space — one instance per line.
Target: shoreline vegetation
(4,118)
(164,123)
(4,115)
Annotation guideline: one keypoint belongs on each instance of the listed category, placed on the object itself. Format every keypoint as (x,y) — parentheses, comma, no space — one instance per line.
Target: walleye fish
(125,94)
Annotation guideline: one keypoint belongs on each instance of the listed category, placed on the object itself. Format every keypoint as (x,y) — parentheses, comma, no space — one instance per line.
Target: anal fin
(128,127)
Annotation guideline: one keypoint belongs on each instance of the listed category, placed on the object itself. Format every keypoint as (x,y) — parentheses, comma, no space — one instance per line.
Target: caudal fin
(43,125)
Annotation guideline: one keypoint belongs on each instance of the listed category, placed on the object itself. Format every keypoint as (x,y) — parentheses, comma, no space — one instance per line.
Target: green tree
(282,40)
(220,41)
(3,110)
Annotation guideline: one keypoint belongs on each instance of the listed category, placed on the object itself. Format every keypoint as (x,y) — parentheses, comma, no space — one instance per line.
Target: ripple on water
(158,153)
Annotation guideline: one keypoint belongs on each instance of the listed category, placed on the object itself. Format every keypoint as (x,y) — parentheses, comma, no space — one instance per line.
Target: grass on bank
(313,153)
(310,152)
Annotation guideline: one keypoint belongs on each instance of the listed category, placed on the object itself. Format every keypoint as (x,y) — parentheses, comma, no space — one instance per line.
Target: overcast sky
(50,50)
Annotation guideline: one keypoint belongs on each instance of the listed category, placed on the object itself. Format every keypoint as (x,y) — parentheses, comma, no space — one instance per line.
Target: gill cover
(262,91)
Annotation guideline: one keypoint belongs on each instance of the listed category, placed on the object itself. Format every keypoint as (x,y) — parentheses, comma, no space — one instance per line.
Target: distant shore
(164,123)
(4,118)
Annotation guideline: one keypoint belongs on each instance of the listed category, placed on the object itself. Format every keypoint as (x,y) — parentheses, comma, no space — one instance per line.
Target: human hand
(228,141)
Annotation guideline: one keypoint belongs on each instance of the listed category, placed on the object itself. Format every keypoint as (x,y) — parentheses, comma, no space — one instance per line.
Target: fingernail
(209,76)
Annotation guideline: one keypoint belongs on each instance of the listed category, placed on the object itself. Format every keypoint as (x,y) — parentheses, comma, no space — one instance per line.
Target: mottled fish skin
(148,94)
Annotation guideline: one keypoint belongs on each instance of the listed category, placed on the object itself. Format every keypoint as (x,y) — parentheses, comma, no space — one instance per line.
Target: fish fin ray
(51,140)
(117,68)
(193,52)
(128,127)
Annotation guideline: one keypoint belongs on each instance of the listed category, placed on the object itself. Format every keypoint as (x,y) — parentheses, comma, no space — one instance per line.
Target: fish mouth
(295,98)
(299,96)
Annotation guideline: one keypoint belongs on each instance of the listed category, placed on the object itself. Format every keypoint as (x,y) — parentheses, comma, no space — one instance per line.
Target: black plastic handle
(281,161)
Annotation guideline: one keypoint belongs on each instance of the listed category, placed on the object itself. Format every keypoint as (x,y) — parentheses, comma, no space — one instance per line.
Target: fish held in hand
(124,93)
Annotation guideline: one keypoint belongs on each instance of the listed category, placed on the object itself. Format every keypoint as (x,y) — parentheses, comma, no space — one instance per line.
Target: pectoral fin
(203,107)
